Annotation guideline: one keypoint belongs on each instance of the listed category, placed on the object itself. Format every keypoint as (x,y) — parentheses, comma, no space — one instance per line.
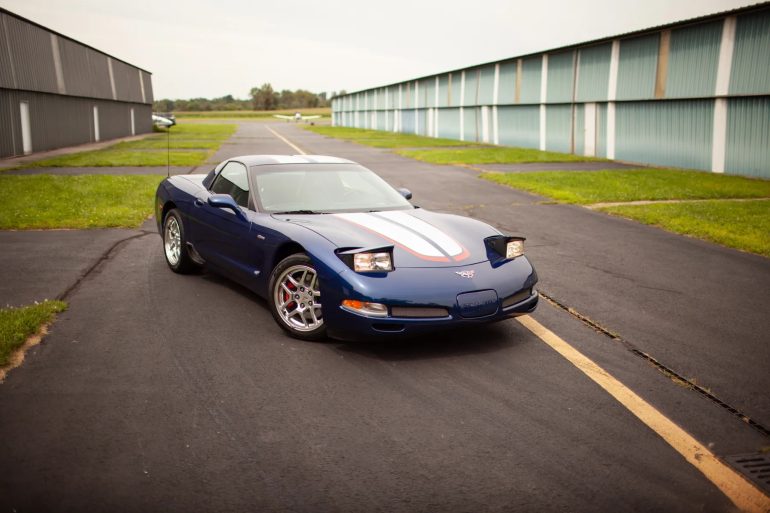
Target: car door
(222,236)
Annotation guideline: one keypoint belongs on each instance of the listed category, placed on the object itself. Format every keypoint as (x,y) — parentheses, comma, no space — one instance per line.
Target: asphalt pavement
(159,391)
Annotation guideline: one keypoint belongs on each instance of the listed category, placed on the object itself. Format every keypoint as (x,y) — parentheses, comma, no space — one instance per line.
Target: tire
(175,244)
(294,298)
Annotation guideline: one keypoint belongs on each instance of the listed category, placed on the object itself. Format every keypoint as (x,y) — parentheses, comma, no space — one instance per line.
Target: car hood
(420,238)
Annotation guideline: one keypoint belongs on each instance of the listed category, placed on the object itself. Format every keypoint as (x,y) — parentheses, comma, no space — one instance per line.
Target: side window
(232,180)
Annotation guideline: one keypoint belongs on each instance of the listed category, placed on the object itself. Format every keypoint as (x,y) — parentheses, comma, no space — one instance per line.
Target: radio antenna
(168,152)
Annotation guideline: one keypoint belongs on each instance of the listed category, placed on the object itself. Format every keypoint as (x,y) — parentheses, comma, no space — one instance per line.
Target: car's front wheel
(175,244)
(295,298)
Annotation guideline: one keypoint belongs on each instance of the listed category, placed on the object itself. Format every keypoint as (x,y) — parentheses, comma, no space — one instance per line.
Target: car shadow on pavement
(484,338)
(467,340)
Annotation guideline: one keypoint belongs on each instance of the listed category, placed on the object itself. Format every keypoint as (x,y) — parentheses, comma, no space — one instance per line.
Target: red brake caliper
(286,296)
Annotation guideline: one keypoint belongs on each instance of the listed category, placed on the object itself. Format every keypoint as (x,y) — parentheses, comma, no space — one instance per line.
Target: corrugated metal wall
(561,74)
(693,60)
(749,130)
(751,57)
(57,121)
(593,73)
(531,75)
(558,131)
(675,133)
(695,94)
(507,83)
(519,125)
(62,80)
(637,67)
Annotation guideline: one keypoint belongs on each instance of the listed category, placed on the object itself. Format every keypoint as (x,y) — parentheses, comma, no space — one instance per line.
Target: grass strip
(492,155)
(382,139)
(153,143)
(199,130)
(743,225)
(18,324)
(82,201)
(586,187)
(110,157)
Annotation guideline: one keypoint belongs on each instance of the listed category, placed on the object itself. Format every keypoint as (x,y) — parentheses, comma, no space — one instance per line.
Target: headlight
(514,248)
(504,247)
(372,262)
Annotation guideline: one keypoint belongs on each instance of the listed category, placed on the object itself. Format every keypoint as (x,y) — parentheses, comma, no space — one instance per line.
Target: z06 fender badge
(466,274)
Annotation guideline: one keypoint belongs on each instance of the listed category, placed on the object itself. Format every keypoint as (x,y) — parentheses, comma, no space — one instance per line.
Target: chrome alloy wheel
(296,297)
(172,240)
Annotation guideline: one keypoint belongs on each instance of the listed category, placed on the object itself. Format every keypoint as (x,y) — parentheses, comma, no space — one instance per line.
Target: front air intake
(418,312)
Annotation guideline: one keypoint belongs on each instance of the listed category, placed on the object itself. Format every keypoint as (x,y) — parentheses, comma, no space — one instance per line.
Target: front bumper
(510,285)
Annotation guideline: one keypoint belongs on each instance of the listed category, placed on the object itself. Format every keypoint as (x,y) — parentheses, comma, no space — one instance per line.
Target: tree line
(260,98)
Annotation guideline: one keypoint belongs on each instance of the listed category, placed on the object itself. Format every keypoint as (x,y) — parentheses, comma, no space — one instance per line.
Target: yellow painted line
(294,146)
(738,489)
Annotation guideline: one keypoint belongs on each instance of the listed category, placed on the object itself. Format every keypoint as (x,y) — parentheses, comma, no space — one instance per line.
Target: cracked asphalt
(159,391)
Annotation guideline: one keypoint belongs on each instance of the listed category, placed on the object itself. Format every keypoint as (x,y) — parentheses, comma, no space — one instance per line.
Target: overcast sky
(204,48)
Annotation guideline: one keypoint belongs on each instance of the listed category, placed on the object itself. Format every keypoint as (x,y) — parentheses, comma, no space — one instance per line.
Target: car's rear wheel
(175,244)
(295,298)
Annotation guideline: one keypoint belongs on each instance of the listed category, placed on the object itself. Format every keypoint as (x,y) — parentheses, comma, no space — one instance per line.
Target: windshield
(322,188)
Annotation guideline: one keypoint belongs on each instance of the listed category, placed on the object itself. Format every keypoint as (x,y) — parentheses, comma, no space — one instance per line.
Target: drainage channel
(665,370)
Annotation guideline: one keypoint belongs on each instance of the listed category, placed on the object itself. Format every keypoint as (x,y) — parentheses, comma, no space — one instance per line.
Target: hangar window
(233,181)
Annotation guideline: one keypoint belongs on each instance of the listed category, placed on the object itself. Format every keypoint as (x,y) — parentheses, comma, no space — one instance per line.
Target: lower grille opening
(517,298)
(418,312)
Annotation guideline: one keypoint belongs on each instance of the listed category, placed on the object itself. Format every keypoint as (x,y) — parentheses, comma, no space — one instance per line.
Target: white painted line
(741,492)
(294,146)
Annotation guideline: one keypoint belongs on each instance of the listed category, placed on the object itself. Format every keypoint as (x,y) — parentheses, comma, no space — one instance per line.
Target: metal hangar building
(57,92)
(693,94)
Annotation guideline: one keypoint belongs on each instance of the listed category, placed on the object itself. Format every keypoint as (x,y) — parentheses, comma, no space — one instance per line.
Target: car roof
(261,160)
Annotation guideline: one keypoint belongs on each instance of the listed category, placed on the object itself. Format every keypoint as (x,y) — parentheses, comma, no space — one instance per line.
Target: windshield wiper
(297,212)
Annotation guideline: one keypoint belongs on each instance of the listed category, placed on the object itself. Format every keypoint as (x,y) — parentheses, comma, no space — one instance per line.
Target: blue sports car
(337,251)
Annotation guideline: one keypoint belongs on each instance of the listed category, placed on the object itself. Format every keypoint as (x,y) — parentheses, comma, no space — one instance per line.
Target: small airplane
(297,117)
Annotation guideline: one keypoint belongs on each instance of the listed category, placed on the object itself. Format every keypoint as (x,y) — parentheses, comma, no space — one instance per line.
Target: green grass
(249,114)
(491,155)
(743,225)
(191,145)
(153,143)
(209,131)
(586,187)
(116,157)
(382,139)
(18,324)
(83,201)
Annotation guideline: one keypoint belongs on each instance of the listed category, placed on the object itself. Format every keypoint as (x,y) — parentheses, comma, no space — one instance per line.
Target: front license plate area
(477,304)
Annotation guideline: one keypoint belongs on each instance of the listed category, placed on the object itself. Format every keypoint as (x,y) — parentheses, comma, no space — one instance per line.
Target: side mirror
(226,201)
(406,193)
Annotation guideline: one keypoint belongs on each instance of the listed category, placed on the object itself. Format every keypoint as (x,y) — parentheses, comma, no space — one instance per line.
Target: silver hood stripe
(413,234)
(430,232)
(397,233)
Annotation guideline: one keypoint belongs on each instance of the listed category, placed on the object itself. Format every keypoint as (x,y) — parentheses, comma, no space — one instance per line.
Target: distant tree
(261,98)
(164,105)
(264,98)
